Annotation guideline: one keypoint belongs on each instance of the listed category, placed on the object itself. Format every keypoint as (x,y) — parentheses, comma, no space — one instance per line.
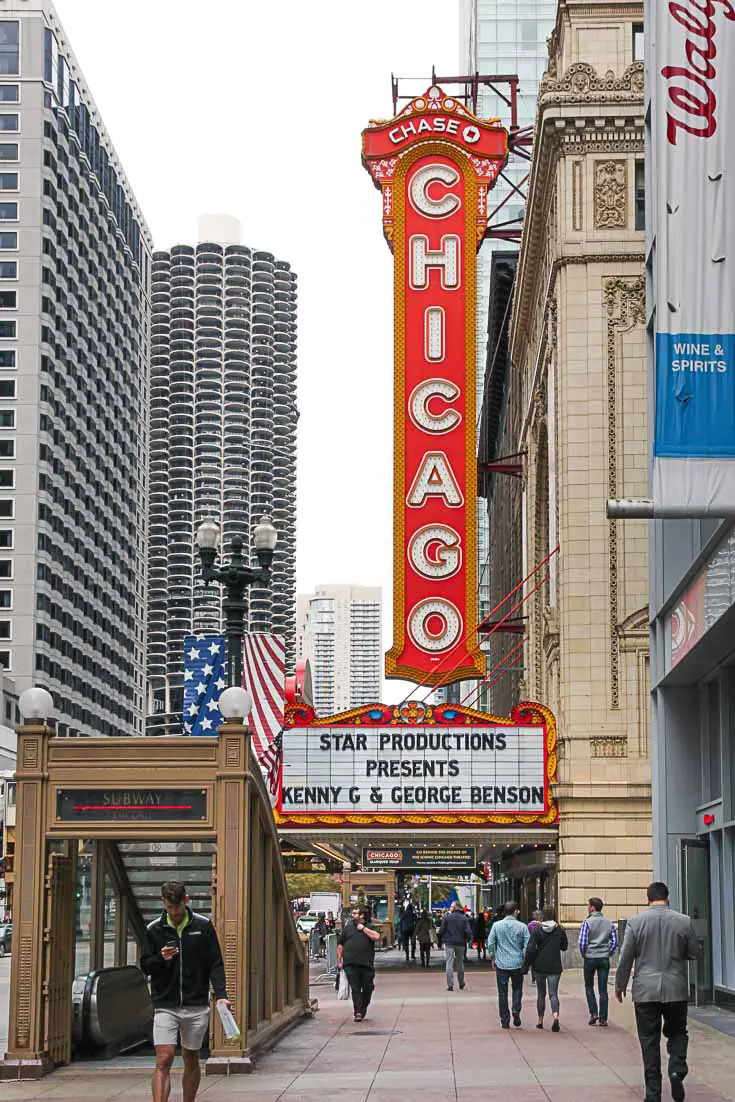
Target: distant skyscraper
(75,257)
(223,440)
(339,631)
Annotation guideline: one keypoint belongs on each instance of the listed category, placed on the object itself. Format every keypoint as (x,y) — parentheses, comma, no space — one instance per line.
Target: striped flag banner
(264,674)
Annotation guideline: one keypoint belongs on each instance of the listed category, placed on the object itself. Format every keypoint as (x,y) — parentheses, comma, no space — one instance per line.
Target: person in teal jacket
(507,945)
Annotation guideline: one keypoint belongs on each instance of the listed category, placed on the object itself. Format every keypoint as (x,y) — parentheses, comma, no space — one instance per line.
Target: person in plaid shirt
(598,940)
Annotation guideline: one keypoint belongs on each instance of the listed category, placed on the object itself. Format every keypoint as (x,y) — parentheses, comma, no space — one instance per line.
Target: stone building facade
(577,409)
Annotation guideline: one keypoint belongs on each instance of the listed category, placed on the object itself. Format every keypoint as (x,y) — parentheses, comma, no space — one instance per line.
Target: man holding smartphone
(182,956)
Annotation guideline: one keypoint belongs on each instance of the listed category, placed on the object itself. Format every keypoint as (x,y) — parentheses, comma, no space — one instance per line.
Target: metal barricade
(331,953)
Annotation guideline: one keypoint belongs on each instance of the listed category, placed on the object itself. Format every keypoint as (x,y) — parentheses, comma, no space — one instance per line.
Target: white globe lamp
(36,703)
(235,703)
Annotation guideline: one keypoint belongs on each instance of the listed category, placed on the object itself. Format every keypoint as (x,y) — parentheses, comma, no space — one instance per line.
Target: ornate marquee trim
(417,713)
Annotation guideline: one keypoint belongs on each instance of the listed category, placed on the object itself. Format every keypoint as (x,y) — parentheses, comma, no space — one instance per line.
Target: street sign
(425,858)
(76,805)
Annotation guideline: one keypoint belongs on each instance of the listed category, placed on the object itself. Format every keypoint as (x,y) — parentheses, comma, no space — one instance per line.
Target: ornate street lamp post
(235,576)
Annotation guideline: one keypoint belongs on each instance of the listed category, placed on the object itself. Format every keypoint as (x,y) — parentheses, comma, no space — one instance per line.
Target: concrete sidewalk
(422,1042)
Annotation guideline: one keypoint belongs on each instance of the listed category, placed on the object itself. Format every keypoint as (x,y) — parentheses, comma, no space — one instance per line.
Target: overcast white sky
(255,108)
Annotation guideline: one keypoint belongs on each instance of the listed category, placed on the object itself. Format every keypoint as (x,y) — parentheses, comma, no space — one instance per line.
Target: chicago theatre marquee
(417,774)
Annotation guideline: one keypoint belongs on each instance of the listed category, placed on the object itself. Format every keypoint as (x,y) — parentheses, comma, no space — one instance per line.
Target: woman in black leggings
(548,942)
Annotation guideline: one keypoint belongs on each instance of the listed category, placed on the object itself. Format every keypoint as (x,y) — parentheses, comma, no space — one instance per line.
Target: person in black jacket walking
(548,942)
(455,932)
(182,956)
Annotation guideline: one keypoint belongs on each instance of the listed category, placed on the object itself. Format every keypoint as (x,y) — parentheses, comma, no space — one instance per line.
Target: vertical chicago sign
(434,163)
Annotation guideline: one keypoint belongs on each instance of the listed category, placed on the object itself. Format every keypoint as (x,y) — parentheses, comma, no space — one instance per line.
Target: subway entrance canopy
(115,795)
(417,773)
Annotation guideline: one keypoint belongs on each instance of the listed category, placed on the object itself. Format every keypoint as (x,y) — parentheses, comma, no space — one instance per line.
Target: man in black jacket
(181,954)
(455,932)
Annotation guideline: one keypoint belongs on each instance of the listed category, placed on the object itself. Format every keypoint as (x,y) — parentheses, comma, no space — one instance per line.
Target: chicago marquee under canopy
(434,163)
(418,764)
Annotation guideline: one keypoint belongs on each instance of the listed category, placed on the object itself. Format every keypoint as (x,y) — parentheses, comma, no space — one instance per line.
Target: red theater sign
(434,164)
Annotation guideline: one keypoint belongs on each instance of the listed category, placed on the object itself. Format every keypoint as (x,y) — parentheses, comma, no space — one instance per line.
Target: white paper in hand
(343,992)
(229,1024)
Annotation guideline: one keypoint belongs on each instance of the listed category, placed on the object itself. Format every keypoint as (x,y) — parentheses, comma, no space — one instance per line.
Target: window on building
(7,357)
(6,598)
(6,629)
(638,42)
(7,508)
(8,329)
(9,93)
(8,151)
(6,568)
(9,47)
(9,123)
(7,388)
(8,240)
(6,659)
(7,479)
(8,270)
(640,196)
(8,181)
(8,212)
(8,299)
(7,537)
(7,418)
(712,748)
(7,449)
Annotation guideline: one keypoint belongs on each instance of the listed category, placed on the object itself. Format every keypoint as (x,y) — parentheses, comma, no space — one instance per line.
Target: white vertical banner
(691,68)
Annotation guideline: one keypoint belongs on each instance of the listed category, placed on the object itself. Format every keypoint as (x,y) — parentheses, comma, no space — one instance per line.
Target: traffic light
(77,892)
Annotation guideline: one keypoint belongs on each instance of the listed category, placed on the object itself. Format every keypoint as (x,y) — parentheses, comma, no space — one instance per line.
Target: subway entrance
(100,825)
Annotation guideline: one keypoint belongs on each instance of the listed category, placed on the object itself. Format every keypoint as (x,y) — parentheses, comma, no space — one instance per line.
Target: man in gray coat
(659,941)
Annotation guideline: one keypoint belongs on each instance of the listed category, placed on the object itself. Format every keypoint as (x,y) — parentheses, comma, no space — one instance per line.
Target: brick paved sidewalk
(421,1042)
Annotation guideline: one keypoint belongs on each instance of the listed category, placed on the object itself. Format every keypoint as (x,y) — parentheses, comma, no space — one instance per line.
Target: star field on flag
(204,680)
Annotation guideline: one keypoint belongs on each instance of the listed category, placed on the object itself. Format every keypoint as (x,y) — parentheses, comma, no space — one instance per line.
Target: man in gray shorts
(182,956)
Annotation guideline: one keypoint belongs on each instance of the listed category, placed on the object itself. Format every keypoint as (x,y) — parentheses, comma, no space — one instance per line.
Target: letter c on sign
(435,624)
(435,551)
(418,406)
(426,204)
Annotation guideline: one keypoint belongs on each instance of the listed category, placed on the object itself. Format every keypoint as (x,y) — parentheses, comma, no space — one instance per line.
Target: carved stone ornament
(613,747)
(611,195)
(582,81)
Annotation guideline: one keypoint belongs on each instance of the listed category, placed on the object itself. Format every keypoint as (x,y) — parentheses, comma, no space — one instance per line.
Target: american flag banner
(204,680)
(264,674)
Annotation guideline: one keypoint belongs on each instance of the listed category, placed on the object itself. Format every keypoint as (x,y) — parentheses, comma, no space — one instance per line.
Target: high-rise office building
(339,631)
(74,325)
(223,441)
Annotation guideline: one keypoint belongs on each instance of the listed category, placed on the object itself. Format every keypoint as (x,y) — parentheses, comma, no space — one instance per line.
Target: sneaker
(539,1025)
(555,1026)
(358,1017)
(505,1025)
(677,1088)
(461,987)
(517,1021)
(603,1024)
(593,1020)
(450,989)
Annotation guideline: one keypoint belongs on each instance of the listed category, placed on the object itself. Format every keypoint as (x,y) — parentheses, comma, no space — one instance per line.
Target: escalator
(148,865)
(112,1013)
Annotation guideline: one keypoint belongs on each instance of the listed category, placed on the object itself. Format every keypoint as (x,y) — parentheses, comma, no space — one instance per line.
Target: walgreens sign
(434,164)
(691,54)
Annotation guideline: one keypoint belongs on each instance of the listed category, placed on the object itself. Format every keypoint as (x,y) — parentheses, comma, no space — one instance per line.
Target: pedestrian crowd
(658,944)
